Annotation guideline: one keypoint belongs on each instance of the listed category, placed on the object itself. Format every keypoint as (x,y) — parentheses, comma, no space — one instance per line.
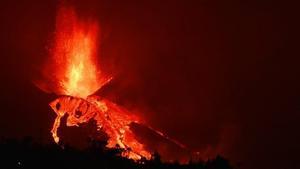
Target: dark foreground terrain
(27,154)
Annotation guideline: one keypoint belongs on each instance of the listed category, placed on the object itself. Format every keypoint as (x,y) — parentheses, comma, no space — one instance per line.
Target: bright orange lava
(73,65)
(77,77)
(110,118)
(75,45)
(72,71)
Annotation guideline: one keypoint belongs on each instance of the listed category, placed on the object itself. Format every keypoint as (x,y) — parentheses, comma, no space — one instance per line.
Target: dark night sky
(216,74)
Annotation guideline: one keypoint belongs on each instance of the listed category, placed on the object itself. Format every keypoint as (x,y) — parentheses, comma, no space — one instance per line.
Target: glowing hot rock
(75,75)
(110,118)
(74,55)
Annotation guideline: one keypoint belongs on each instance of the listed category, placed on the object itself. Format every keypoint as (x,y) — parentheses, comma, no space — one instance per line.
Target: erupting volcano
(76,76)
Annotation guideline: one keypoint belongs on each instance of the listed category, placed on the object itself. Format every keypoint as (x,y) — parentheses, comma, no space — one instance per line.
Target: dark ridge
(28,154)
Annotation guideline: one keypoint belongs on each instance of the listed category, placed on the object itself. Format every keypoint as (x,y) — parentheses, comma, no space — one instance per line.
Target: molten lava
(110,118)
(73,66)
(76,76)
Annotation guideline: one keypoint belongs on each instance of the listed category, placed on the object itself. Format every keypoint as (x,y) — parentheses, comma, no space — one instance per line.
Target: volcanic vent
(72,72)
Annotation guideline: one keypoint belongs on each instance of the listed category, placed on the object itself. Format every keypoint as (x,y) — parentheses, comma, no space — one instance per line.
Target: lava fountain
(75,76)
(73,60)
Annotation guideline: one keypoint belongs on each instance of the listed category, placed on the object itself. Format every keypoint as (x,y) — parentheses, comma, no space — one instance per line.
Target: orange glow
(72,67)
(77,76)
(76,46)
(72,71)
(110,118)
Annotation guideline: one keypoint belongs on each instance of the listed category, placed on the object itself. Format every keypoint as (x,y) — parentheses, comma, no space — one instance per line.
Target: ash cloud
(210,74)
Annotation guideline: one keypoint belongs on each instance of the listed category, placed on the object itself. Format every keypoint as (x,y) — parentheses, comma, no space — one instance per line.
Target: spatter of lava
(110,118)
(72,73)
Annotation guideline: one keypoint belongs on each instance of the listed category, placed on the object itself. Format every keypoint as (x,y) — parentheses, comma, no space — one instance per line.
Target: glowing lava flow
(72,72)
(76,76)
(110,118)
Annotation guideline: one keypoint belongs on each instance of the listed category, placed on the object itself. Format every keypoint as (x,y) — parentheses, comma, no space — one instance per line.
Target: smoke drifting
(221,77)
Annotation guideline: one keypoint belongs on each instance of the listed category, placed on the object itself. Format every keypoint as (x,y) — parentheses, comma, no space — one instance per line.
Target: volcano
(73,74)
